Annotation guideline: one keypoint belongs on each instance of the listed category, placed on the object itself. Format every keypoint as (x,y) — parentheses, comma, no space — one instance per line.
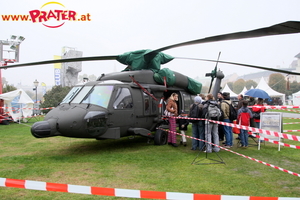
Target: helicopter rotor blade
(61,61)
(211,82)
(214,73)
(278,29)
(288,27)
(244,65)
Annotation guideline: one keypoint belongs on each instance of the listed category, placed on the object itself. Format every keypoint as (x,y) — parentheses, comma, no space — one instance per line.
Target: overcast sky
(128,25)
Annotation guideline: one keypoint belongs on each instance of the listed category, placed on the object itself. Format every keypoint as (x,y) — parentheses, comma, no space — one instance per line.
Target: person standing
(172,108)
(220,127)
(251,102)
(240,103)
(258,108)
(227,129)
(183,124)
(211,129)
(244,116)
(198,126)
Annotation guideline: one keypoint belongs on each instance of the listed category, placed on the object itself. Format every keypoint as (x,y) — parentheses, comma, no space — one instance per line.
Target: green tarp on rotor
(165,72)
(151,60)
(144,59)
(194,86)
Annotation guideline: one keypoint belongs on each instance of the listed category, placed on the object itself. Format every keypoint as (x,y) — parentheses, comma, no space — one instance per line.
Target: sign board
(271,121)
(57,71)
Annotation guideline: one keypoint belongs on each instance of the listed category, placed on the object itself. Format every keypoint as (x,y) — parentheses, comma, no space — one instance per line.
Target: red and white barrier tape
(267,107)
(276,142)
(292,123)
(291,130)
(275,107)
(28,117)
(31,108)
(256,130)
(117,192)
(290,118)
(270,165)
(297,111)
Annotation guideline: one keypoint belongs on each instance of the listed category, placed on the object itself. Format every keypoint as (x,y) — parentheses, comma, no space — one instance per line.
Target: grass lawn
(135,164)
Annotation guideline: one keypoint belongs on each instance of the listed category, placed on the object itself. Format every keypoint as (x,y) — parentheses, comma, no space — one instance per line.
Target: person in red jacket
(244,116)
(258,108)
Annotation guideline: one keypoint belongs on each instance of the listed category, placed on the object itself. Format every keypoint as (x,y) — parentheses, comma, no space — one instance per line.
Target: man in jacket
(198,127)
(227,129)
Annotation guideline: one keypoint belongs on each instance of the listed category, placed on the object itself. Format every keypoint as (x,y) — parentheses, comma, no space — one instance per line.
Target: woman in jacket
(172,108)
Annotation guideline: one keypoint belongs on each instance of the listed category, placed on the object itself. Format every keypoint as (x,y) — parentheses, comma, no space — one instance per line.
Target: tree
(9,88)
(204,89)
(230,85)
(54,96)
(238,86)
(278,83)
(294,87)
(250,83)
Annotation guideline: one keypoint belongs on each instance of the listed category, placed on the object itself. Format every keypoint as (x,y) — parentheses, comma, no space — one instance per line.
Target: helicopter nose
(44,129)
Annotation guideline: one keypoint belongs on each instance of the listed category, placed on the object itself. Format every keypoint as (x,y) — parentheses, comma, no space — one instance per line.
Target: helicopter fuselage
(111,107)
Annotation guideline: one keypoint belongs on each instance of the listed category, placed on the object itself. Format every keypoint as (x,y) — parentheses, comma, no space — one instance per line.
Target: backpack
(194,113)
(232,112)
(212,111)
(256,115)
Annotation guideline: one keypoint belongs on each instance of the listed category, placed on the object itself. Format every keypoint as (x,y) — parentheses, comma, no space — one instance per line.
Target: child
(244,115)
(183,123)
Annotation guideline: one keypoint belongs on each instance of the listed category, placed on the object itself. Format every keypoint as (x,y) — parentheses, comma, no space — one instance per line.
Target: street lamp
(36,83)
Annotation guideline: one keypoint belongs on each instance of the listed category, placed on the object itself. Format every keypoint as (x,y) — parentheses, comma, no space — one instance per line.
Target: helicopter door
(123,114)
(187,101)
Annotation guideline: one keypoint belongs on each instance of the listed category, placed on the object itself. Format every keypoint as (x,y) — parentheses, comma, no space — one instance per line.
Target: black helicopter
(131,102)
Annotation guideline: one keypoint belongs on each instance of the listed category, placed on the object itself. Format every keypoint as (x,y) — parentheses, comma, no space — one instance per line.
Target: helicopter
(131,102)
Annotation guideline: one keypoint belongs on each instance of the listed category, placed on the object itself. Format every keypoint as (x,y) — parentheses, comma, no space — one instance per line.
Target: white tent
(227,89)
(272,93)
(244,90)
(296,99)
(22,99)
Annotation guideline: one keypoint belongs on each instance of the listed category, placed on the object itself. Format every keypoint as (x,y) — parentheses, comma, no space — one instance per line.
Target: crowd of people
(210,132)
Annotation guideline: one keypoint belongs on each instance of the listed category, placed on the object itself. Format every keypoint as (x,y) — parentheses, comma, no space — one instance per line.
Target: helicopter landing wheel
(160,137)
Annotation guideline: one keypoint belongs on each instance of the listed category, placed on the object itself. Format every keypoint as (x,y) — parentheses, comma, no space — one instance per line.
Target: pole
(36,94)
(0,81)
(1,101)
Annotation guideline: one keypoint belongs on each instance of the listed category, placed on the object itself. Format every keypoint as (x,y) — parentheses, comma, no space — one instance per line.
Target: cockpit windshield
(71,94)
(97,95)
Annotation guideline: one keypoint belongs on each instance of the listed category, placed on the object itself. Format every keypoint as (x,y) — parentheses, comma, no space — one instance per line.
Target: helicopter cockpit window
(83,92)
(99,95)
(71,94)
(123,99)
